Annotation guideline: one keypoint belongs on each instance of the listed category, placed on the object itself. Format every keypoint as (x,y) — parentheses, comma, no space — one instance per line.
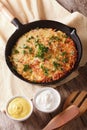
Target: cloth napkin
(27,11)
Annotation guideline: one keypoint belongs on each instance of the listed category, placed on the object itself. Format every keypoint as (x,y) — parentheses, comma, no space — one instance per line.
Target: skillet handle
(9,16)
(64,117)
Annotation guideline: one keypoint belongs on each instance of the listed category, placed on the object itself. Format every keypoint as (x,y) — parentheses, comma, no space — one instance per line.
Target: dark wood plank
(75,5)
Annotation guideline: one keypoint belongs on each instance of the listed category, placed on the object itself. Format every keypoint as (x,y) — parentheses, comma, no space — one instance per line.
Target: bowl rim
(55,92)
(24,118)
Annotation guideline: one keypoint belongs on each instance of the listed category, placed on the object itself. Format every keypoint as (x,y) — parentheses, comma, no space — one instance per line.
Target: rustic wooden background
(38,120)
(75,5)
(79,83)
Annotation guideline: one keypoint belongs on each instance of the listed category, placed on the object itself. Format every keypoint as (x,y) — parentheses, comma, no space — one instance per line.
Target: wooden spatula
(75,105)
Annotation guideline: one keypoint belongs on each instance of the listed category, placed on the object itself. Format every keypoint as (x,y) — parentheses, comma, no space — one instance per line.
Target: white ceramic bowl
(47,100)
(19,107)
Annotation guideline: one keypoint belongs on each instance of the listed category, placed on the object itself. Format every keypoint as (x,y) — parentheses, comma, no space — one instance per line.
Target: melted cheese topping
(44,55)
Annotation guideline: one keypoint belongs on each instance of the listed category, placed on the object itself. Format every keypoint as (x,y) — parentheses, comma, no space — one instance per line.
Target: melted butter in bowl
(19,108)
(47,100)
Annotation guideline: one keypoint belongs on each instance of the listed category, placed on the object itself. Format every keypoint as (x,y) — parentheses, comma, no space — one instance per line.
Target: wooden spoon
(75,104)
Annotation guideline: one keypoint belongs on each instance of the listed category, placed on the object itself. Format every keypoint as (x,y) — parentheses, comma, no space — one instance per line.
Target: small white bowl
(47,100)
(19,106)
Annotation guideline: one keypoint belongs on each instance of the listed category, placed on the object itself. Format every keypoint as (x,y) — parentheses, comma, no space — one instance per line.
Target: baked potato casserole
(44,55)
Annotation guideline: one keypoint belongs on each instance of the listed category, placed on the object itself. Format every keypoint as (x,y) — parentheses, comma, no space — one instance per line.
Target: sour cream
(47,100)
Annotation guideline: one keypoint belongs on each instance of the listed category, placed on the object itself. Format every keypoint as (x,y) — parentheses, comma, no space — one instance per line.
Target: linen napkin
(27,11)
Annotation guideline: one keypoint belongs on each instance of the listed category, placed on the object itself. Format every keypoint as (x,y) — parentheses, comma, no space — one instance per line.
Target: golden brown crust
(44,55)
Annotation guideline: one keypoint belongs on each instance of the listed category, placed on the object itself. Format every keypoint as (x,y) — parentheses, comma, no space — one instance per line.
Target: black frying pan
(21,29)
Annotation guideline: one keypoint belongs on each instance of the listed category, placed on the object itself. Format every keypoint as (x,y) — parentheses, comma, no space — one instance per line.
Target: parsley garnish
(65,60)
(25,46)
(26,68)
(41,50)
(56,65)
(28,40)
(64,53)
(54,38)
(30,50)
(45,70)
(15,51)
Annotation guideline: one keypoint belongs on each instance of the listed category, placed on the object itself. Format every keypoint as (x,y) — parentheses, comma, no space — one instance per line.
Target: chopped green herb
(15,51)
(36,41)
(65,60)
(40,54)
(30,70)
(24,52)
(28,40)
(64,53)
(49,43)
(45,70)
(56,65)
(41,50)
(25,46)
(54,38)
(26,67)
(30,50)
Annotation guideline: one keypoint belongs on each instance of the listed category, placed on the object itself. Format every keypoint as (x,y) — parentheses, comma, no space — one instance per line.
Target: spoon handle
(64,117)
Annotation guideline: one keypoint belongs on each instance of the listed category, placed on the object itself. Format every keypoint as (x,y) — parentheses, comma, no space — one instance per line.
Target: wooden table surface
(38,119)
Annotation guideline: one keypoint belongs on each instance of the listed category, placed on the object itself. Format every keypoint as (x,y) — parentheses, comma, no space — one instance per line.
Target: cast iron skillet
(22,29)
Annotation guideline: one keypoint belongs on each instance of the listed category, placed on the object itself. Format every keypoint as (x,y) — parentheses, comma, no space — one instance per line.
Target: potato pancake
(44,55)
